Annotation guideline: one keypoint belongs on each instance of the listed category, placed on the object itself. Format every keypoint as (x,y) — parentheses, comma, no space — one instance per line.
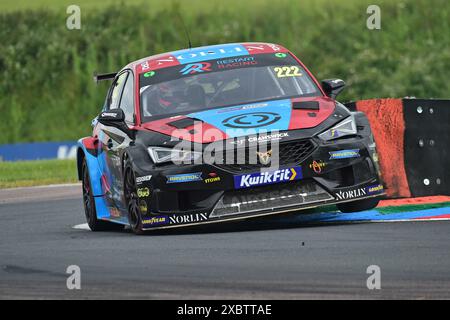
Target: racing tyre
(360,205)
(132,200)
(89,206)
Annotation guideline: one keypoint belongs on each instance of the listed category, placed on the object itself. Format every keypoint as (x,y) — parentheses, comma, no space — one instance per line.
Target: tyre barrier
(413,141)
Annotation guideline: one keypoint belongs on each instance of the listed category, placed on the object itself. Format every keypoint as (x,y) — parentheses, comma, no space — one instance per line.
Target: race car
(220,133)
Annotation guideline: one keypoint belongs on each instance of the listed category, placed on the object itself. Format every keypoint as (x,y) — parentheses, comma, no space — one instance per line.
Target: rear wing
(104,77)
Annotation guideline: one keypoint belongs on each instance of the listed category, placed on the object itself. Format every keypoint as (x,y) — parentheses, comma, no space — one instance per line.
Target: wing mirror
(112,117)
(115,118)
(333,87)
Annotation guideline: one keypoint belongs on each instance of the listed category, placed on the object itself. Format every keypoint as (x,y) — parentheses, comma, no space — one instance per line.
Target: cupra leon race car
(222,133)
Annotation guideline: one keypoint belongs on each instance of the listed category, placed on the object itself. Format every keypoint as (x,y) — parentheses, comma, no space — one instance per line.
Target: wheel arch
(80,158)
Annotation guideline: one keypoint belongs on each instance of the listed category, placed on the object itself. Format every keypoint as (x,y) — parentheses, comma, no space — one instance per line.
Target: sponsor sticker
(193,68)
(317,166)
(186,177)
(360,192)
(154,221)
(251,120)
(149,74)
(375,189)
(188,218)
(344,154)
(351,194)
(143,179)
(236,62)
(143,207)
(212,177)
(269,177)
(143,192)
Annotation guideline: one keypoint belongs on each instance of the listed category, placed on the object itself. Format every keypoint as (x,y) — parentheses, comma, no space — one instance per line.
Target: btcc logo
(265,178)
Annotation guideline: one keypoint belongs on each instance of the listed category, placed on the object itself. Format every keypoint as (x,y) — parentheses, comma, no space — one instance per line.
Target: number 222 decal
(283,72)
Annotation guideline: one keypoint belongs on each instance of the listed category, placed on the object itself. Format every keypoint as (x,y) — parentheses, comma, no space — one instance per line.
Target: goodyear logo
(344,154)
(188,177)
(375,189)
(158,220)
(269,177)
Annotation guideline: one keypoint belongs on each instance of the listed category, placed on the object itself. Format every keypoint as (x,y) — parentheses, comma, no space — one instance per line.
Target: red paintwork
(163,61)
(203,132)
(258,48)
(90,143)
(300,119)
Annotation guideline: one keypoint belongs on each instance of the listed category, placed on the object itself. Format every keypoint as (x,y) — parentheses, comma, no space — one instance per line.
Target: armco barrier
(38,150)
(413,141)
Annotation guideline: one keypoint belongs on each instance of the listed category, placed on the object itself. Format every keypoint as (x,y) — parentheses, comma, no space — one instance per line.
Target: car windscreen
(223,82)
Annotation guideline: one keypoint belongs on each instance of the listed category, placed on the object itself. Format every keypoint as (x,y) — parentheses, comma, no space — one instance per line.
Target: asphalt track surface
(255,259)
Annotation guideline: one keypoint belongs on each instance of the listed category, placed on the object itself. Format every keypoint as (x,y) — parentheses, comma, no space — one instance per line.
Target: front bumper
(328,173)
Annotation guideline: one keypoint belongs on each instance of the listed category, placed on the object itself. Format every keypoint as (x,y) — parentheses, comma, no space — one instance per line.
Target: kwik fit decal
(269,177)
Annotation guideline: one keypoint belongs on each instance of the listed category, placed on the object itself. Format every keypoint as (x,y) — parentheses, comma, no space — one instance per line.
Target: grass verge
(35,173)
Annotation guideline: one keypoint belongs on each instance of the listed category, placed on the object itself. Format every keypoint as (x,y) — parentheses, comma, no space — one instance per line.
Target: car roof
(198,54)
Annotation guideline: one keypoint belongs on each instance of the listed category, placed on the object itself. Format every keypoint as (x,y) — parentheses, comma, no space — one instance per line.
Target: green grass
(34,173)
(46,88)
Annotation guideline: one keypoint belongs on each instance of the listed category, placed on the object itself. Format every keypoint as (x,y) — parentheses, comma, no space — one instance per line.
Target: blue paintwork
(370,215)
(218,117)
(210,52)
(95,177)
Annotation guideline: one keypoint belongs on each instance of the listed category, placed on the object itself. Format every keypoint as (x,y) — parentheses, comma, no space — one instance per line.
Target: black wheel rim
(87,197)
(132,200)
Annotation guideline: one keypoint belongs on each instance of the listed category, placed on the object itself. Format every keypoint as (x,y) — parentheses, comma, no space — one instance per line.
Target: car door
(113,141)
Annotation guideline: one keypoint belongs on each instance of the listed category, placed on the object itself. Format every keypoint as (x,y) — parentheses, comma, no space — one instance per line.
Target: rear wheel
(89,206)
(359,205)
(132,200)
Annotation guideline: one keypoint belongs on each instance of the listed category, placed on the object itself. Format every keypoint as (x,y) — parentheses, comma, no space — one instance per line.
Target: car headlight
(178,156)
(344,128)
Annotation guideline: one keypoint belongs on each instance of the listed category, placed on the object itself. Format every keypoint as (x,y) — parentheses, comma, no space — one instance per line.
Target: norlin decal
(197,217)
(344,195)
(263,178)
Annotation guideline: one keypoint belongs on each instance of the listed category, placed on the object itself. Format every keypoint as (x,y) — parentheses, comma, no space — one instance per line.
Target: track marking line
(83,226)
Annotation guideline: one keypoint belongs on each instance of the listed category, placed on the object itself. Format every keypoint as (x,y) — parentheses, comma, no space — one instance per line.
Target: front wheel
(132,200)
(359,205)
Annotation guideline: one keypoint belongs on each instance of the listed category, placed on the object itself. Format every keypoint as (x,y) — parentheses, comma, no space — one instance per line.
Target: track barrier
(413,141)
